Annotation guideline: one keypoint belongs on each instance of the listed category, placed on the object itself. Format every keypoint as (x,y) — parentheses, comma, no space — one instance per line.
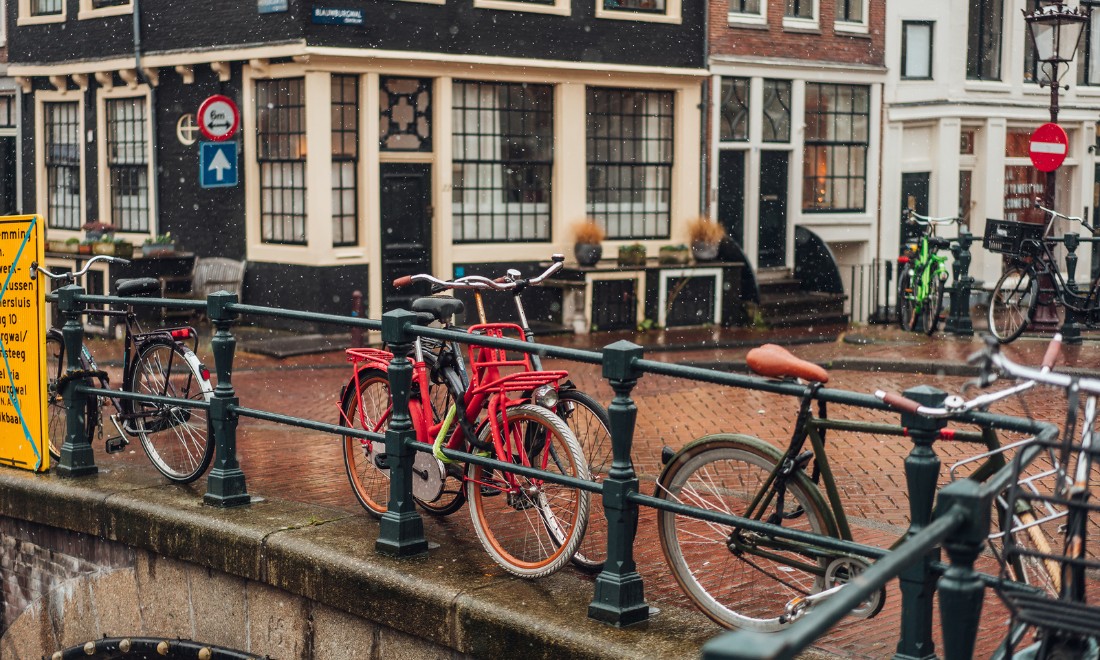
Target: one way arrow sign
(218,164)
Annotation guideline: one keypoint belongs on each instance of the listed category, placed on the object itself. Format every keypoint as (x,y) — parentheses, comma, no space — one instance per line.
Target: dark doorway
(915,185)
(1095,217)
(406,203)
(772,251)
(7,176)
(731,194)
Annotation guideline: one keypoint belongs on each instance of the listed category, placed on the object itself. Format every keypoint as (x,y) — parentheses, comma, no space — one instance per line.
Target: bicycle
(922,276)
(547,520)
(156,362)
(1032,279)
(752,580)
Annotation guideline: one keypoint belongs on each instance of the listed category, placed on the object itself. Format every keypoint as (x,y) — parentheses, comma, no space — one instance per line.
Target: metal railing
(618,594)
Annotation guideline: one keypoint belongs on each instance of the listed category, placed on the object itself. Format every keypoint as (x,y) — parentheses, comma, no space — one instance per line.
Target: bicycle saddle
(137,287)
(774,361)
(441,307)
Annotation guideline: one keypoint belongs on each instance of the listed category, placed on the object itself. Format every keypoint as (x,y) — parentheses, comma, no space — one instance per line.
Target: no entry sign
(1049,146)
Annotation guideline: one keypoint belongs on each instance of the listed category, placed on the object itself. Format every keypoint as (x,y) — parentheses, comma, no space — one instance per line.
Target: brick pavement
(307,466)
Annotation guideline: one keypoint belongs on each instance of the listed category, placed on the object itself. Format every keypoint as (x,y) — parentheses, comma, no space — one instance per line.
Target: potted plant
(55,245)
(587,237)
(159,244)
(705,235)
(673,254)
(632,255)
(72,246)
(95,231)
(85,246)
(116,247)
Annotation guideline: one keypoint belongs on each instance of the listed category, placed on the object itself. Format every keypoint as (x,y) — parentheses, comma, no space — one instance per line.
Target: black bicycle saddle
(138,287)
(441,307)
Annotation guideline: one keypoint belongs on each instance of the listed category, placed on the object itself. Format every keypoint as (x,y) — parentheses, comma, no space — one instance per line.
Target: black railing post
(401,531)
(225,487)
(1071,328)
(922,469)
(958,321)
(961,591)
(620,594)
(77,458)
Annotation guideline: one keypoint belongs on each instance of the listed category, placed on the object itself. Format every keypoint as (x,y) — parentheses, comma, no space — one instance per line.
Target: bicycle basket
(1008,236)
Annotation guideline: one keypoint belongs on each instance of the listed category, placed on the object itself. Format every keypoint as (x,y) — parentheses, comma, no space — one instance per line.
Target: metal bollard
(1071,328)
(401,530)
(961,590)
(922,469)
(958,320)
(225,487)
(620,595)
(77,458)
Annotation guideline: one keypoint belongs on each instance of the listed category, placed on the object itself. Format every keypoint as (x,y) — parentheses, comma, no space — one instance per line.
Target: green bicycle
(922,276)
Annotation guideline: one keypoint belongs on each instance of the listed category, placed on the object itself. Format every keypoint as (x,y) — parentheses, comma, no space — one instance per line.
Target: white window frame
(558,8)
(103,179)
(793,23)
(857,27)
(749,18)
(27,18)
(87,10)
(41,179)
(670,15)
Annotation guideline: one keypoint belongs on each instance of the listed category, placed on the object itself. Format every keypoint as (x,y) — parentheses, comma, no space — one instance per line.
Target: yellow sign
(23,438)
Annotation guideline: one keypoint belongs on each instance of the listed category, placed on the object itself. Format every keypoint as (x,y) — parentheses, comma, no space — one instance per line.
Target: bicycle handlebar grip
(402,281)
(120,261)
(1054,349)
(898,402)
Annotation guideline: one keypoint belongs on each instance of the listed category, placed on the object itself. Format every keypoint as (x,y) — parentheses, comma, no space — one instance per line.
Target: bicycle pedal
(115,445)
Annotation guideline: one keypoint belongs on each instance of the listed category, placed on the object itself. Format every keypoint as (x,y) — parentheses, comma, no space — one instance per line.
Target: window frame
(998,60)
(338,211)
(671,13)
(847,25)
(1087,59)
(27,17)
(810,143)
(747,106)
(557,7)
(88,10)
(747,17)
(905,25)
(42,189)
(800,23)
(303,170)
(104,178)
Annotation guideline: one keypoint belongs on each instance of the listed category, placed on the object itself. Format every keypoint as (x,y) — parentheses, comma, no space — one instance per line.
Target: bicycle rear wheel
(932,305)
(590,423)
(176,438)
(367,408)
(56,413)
(1012,303)
(533,529)
(739,578)
(906,291)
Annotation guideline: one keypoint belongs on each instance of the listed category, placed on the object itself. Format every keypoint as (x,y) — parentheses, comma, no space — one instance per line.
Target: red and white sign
(1049,146)
(218,118)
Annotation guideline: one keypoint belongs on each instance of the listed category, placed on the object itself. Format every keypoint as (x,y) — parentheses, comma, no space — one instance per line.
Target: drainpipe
(154,185)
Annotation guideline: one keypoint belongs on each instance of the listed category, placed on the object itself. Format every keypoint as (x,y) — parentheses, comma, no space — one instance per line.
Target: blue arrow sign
(218,164)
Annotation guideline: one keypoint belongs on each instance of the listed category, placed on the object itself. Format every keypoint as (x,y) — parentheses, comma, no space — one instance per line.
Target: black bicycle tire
(1026,274)
(904,300)
(935,298)
(54,405)
(592,554)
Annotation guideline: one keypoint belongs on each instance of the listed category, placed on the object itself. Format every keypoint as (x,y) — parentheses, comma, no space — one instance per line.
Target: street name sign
(1049,146)
(23,377)
(218,164)
(218,118)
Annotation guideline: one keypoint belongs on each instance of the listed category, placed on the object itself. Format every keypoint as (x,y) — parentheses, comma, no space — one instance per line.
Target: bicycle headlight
(545,396)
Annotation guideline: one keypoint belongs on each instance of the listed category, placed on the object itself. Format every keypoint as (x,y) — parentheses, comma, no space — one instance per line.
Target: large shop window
(983,53)
(835,163)
(630,146)
(128,164)
(62,149)
(503,160)
(281,156)
(345,160)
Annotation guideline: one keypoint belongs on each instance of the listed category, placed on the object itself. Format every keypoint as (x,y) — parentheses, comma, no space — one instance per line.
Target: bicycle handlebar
(71,276)
(926,220)
(482,283)
(1071,218)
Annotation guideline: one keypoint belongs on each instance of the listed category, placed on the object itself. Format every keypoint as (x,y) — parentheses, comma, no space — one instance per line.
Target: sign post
(23,376)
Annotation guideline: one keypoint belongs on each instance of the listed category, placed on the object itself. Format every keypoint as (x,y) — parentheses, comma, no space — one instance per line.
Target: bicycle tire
(723,472)
(370,482)
(453,495)
(1012,303)
(536,530)
(933,305)
(175,438)
(590,423)
(905,293)
(57,425)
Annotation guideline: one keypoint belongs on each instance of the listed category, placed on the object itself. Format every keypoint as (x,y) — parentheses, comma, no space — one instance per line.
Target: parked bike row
(756,536)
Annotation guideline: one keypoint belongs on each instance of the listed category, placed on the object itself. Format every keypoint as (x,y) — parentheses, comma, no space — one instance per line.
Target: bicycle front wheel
(739,578)
(1012,303)
(175,437)
(57,424)
(367,407)
(932,305)
(906,291)
(529,526)
(590,423)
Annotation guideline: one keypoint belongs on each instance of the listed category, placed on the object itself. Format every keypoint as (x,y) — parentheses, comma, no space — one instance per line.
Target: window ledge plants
(632,255)
(158,245)
(674,255)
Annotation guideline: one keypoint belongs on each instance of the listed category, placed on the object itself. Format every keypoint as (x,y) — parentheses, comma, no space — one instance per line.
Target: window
(777,111)
(503,160)
(345,159)
(7,111)
(559,7)
(733,113)
(802,9)
(835,163)
(47,7)
(642,6)
(747,11)
(1088,59)
(849,11)
(100,4)
(128,164)
(656,11)
(983,54)
(281,155)
(1023,183)
(1031,64)
(916,50)
(405,114)
(630,161)
(62,147)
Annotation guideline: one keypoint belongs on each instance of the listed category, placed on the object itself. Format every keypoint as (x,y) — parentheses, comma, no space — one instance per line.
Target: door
(406,205)
(915,185)
(772,229)
(731,194)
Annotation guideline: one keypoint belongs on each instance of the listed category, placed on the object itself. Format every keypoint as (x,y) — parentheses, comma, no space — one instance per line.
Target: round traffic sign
(218,118)
(1049,146)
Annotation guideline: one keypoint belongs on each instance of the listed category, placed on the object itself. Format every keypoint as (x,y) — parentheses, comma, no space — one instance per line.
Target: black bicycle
(156,362)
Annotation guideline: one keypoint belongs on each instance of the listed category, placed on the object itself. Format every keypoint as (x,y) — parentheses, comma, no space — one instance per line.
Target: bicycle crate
(1008,236)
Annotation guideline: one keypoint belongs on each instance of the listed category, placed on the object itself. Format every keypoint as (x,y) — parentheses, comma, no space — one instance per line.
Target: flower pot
(587,254)
(673,256)
(84,248)
(704,251)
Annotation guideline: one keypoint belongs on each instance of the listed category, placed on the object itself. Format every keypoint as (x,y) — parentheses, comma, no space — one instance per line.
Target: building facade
(376,139)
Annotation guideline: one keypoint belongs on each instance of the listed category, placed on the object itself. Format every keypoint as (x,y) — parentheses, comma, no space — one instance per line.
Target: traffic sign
(218,118)
(1049,146)
(218,164)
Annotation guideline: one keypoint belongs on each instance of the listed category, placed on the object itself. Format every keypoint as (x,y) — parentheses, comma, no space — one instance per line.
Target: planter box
(674,256)
(123,250)
(61,246)
(157,249)
(631,256)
